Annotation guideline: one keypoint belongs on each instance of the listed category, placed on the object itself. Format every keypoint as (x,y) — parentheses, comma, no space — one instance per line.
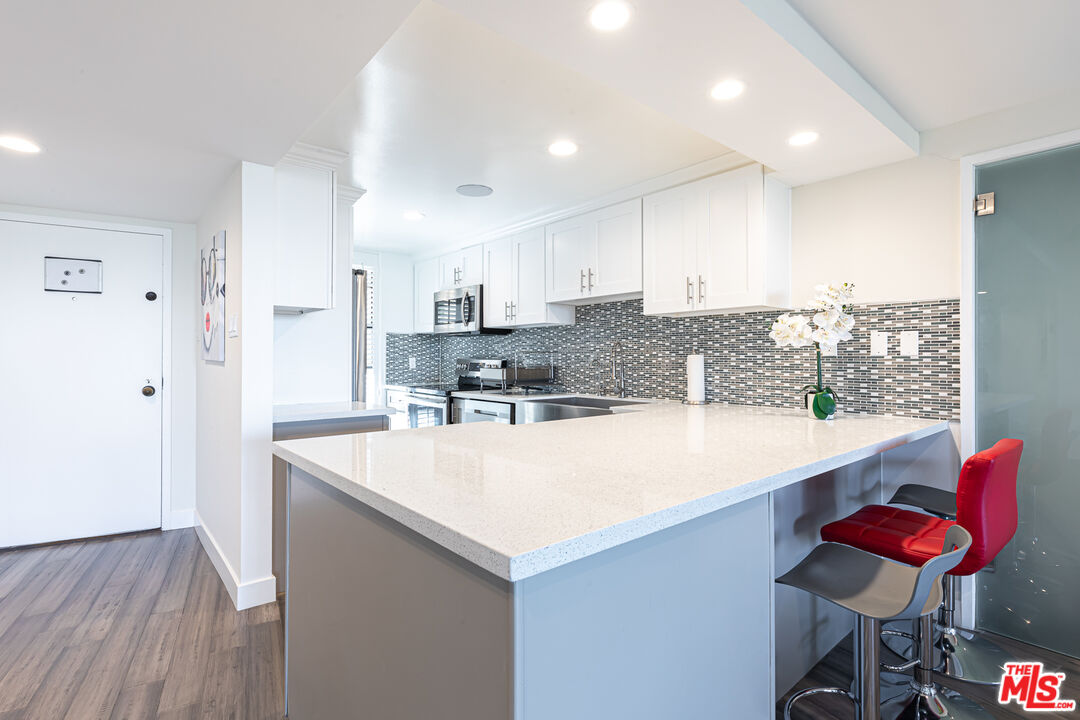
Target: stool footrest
(803,694)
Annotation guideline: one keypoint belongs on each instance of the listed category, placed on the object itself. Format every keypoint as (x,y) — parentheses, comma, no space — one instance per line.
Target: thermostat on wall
(72,275)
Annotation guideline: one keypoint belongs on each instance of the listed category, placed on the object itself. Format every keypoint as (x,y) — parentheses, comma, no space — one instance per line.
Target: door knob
(148,390)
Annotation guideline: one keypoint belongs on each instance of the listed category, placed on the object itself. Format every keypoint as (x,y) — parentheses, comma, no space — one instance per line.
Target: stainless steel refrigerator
(360,338)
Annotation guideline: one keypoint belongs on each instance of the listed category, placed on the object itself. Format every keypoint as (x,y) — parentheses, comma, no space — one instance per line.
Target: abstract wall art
(212,319)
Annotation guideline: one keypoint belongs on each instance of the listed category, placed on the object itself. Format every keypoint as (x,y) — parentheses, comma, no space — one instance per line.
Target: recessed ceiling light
(413,215)
(727,89)
(474,190)
(609,15)
(19,144)
(562,148)
(803,138)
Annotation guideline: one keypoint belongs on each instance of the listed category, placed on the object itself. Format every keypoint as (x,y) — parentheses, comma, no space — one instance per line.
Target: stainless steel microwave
(460,311)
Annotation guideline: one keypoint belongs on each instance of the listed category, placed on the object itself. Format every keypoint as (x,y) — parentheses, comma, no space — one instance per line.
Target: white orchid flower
(827,318)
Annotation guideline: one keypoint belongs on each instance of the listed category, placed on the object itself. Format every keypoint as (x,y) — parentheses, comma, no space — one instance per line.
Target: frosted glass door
(1027,336)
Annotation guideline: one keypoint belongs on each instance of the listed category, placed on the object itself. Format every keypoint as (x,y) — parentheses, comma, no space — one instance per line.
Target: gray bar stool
(876,590)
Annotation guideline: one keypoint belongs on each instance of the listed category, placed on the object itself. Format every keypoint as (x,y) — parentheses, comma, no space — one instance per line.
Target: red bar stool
(985,505)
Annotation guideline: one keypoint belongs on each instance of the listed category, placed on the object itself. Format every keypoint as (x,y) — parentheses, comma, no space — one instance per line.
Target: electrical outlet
(909,343)
(879,343)
(412,363)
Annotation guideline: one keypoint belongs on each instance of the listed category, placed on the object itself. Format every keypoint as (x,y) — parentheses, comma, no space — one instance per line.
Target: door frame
(968,165)
(166,519)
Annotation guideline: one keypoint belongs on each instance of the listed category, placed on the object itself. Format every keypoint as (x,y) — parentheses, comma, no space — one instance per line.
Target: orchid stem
(819,384)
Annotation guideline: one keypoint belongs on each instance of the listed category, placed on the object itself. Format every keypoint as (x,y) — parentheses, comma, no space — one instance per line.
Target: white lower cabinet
(595,256)
(425,284)
(718,245)
(514,287)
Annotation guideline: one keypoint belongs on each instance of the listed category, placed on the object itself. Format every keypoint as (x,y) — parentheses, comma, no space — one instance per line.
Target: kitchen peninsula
(616,566)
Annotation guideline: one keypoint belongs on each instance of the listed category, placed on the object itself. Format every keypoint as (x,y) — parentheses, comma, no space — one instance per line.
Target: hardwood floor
(835,670)
(137,627)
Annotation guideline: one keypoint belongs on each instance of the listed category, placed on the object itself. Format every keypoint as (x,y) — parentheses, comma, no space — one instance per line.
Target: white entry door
(80,382)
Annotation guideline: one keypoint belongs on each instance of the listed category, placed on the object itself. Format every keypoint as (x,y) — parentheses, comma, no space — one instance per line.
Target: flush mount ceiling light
(803,138)
(474,190)
(18,144)
(609,15)
(727,89)
(413,215)
(562,148)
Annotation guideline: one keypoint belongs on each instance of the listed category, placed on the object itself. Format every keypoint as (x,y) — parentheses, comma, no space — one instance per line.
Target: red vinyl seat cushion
(985,507)
(902,535)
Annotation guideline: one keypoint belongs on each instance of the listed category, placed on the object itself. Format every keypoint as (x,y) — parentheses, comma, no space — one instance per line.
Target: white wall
(894,231)
(180,508)
(234,398)
(313,352)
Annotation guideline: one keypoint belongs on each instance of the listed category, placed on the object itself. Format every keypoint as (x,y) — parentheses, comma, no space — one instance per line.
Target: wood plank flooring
(836,670)
(137,627)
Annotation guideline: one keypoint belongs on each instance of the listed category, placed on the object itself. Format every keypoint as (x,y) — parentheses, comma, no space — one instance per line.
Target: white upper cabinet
(718,245)
(498,282)
(514,293)
(595,256)
(462,267)
(304,244)
(425,285)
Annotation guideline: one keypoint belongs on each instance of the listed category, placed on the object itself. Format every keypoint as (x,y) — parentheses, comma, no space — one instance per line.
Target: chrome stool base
(920,697)
(932,702)
(965,654)
(972,658)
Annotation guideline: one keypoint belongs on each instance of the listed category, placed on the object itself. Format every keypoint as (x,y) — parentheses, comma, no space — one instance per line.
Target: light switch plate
(72,275)
(909,343)
(879,343)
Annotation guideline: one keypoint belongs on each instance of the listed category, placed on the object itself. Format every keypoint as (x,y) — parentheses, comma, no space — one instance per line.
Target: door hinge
(984,204)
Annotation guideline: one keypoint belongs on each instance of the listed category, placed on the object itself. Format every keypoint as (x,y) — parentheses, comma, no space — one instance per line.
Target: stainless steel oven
(460,311)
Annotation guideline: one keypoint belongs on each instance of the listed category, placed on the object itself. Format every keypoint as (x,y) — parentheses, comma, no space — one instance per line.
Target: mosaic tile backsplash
(742,365)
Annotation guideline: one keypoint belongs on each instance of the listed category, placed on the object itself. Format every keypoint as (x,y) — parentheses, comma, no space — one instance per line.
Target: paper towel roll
(695,378)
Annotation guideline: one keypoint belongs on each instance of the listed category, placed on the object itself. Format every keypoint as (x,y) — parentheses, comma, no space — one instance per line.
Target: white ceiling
(673,51)
(142,108)
(447,101)
(939,63)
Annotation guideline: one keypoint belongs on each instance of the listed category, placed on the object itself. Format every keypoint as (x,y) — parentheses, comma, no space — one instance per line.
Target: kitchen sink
(546,409)
(587,402)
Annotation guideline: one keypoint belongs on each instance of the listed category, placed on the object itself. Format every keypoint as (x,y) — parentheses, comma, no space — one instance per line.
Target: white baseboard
(256,592)
(244,595)
(178,519)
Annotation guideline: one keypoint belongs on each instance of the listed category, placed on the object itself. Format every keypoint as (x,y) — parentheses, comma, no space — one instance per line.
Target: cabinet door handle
(506,310)
(513,311)
(590,279)
(701,290)
(689,290)
(582,281)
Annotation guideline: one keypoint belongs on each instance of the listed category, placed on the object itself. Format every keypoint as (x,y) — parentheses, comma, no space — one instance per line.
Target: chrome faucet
(618,373)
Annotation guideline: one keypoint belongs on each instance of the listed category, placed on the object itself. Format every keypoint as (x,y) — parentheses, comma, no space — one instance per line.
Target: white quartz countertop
(517,500)
(314,412)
